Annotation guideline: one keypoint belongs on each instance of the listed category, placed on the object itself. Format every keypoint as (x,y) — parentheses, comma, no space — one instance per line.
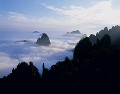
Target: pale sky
(88,16)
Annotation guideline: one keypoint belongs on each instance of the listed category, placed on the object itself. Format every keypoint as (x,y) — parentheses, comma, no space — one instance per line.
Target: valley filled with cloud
(21,46)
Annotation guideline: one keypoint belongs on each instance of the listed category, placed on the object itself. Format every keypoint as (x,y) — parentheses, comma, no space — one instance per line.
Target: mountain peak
(44,40)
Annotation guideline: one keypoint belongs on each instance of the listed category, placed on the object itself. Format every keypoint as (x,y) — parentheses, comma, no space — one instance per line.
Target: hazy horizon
(88,16)
(14,50)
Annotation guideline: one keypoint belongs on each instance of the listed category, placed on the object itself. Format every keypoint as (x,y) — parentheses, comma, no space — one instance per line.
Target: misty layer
(19,47)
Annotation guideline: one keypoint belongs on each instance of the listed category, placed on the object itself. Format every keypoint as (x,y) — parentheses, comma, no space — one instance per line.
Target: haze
(88,16)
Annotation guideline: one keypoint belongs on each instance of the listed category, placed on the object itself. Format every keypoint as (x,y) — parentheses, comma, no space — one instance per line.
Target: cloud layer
(13,51)
(101,13)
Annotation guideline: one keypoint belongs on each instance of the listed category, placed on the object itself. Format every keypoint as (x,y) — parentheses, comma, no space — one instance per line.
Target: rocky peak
(44,40)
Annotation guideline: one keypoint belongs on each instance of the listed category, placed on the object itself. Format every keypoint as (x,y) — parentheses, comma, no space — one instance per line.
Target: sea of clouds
(13,50)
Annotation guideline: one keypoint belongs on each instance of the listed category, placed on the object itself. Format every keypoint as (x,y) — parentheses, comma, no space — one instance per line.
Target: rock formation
(44,40)
(76,33)
(114,34)
(36,32)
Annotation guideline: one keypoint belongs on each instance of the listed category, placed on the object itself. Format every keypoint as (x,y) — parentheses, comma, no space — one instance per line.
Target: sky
(88,16)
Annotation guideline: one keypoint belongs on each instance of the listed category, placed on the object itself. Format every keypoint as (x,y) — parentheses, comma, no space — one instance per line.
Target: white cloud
(39,53)
(88,20)
(97,12)
(20,22)
(46,20)
(12,51)
(16,16)
(13,16)
(101,13)
(7,62)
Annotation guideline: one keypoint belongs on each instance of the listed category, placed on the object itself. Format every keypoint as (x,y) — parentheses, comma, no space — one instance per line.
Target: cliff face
(44,40)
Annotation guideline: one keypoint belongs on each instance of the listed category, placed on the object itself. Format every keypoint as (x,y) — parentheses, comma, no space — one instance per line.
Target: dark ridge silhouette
(95,68)
(93,38)
(83,48)
(24,71)
(44,40)
(114,33)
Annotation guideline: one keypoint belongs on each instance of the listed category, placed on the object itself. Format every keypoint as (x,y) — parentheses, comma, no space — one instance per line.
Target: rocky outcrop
(114,34)
(93,39)
(44,40)
(36,32)
(76,33)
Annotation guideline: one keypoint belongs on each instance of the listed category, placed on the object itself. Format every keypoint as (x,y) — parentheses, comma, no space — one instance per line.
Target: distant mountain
(114,33)
(23,41)
(44,40)
(36,32)
(76,33)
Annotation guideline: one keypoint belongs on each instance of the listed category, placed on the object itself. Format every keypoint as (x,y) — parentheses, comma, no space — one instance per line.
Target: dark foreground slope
(93,69)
